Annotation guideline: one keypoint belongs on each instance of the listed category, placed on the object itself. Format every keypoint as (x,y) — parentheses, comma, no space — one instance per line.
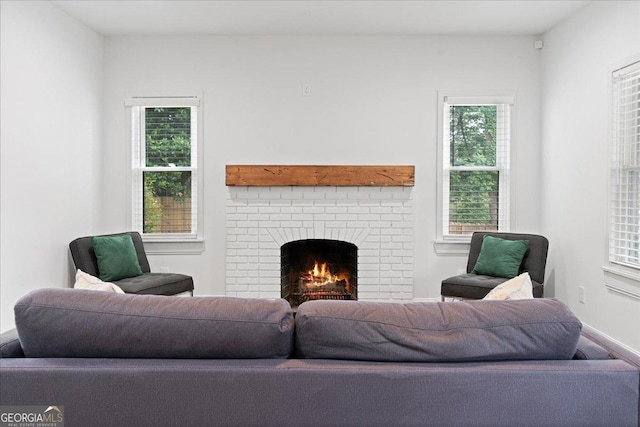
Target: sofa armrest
(10,345)
(614,349)
(589,350)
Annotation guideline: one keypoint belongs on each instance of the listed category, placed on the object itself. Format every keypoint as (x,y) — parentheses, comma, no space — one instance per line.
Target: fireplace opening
(318,269)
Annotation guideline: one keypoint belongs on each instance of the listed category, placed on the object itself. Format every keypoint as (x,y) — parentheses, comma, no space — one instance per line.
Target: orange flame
(322,271)
(321,275)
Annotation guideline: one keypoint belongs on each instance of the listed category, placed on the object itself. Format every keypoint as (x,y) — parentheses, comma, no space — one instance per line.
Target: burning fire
(322,272)
(322,276)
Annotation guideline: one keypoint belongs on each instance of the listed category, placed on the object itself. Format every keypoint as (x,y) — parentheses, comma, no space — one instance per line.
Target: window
(624,213)
(475,137)
(164,195)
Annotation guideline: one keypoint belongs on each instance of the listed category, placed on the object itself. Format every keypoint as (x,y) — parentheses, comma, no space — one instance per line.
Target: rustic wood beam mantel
(314,176)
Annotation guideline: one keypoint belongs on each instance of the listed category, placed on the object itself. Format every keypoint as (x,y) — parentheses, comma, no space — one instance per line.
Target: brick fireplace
(376,221)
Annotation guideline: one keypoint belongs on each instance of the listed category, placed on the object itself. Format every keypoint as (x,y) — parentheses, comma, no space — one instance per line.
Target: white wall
(373,101)
(578,58)
(51,85)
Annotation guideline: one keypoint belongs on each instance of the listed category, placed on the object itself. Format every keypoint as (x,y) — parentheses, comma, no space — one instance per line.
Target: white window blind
(164,164)
(624,215)
(476,142)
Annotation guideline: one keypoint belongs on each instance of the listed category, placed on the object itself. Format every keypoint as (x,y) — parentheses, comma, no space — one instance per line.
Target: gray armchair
(84,258)
(475,286)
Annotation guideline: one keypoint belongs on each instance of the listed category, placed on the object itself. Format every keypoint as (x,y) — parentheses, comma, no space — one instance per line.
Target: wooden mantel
(313,176)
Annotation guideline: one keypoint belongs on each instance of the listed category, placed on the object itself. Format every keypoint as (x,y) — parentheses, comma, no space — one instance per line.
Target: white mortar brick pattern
(378,220)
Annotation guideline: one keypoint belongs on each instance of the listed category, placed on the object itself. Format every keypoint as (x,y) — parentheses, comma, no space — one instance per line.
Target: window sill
(158,246)
(622,281)
(452,247)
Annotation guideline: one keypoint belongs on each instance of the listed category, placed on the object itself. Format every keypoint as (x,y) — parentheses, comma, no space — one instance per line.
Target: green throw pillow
(117,258)
(500,257)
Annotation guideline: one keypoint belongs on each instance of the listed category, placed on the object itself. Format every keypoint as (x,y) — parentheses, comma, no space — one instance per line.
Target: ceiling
(266,17)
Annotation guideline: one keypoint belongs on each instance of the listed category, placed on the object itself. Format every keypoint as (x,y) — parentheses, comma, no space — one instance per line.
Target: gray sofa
(136,360)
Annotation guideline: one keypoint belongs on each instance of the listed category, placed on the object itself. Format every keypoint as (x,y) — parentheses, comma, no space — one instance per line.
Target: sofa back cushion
(437,332)
(85,323)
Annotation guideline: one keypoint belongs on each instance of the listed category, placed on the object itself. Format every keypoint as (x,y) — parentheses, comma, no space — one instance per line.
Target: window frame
(624,269)
(446,243)
(135,106)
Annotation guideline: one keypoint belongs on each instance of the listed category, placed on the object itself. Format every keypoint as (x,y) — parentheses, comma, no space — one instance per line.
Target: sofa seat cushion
(157,284)
(83,323)
(433,332)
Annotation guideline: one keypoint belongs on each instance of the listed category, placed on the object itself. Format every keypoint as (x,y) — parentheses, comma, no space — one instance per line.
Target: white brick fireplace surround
(378,220)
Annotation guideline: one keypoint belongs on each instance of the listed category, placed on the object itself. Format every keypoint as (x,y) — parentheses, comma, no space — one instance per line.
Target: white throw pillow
(87,281)
(519,287)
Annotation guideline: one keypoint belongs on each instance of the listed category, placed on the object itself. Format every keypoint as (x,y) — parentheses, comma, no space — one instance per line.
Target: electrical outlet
(164,269)
(581,294)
